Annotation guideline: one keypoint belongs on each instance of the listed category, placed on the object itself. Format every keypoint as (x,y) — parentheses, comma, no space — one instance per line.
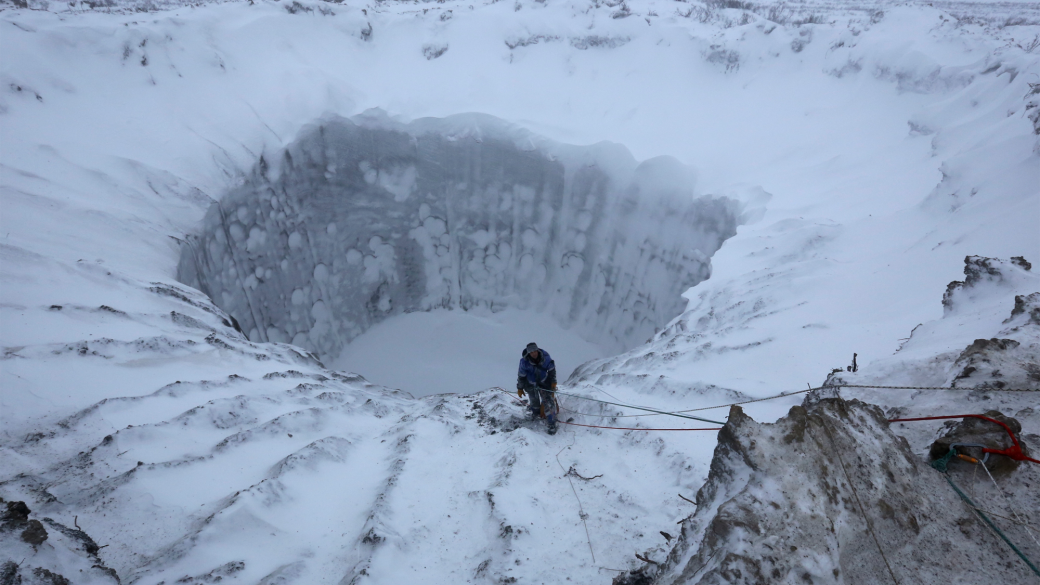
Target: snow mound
(988,336)
(365,219)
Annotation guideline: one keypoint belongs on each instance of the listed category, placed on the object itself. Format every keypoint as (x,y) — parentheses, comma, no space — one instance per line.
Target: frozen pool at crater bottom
(442,351)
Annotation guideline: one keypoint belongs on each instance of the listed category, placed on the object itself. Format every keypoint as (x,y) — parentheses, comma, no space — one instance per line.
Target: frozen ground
(869,149)
(459,351)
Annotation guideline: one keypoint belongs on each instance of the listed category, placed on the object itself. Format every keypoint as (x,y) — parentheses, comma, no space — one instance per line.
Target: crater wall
(366,218)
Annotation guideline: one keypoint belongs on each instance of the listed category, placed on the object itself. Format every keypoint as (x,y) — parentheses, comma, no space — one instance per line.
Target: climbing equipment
(1014,451)
(942,464)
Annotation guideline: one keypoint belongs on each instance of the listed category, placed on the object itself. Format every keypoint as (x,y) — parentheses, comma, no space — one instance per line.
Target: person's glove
(554,387)
(520,392)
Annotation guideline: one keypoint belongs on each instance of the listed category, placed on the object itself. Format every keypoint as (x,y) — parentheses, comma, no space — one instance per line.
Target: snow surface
(456,351)
(871,149)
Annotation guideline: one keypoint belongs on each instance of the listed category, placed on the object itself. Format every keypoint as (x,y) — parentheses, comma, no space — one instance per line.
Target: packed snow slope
(870,150)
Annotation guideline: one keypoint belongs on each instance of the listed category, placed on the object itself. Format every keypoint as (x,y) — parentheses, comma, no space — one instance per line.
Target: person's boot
(552,424)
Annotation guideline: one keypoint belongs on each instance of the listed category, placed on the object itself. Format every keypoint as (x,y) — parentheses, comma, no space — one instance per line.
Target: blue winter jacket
(542,374)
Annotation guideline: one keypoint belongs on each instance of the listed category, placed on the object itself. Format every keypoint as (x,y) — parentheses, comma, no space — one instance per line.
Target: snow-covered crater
(365,219)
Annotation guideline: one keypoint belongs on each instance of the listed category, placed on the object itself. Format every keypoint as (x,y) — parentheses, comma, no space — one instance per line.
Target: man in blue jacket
(537,377)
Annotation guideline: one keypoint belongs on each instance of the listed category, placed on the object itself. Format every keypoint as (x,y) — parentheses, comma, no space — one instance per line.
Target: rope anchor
(1014,451)
(942,466)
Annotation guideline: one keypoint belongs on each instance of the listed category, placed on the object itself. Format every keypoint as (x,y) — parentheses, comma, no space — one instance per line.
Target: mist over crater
(366,218)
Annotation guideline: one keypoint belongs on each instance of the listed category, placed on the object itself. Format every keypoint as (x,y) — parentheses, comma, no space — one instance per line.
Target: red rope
(632,429)
(1014,451)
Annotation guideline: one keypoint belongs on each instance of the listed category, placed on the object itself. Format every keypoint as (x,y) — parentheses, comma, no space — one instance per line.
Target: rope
(599,427)
(932,388)
(855,493)
(784,394)
(581,510)
(1011,520)
(607,415)
(598,389)
(1010,506)
(630,428)
(941,465)
(714,422)
(1014,451)
(501,389)
(781,395)
(774,397)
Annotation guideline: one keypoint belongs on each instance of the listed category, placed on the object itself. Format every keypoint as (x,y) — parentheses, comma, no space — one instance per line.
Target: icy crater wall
(366,218)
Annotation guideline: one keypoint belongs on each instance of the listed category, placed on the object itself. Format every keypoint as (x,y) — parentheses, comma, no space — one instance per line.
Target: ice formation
(367,218)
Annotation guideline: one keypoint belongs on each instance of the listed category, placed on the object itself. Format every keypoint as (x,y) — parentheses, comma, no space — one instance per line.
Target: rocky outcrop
(47,557)
(997,363)
(829,494)
(1028,306)
(15,519)
(1011,360)
(975,432)
(988,337)
(979,270)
